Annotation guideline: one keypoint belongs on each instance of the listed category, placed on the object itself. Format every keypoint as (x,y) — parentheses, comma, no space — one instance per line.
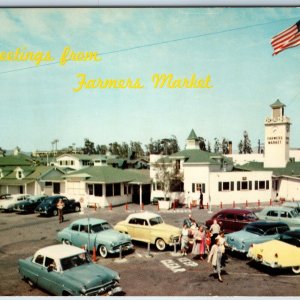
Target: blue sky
(38,104)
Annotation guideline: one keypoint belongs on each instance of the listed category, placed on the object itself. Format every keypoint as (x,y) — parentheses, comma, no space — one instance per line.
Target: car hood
(113,236)
(91,275)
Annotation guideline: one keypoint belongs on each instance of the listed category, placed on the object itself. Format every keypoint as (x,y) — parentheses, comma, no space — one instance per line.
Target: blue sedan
(98,233)
(254,233)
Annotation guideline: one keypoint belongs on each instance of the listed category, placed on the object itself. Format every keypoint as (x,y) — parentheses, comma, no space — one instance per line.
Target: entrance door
(56,187)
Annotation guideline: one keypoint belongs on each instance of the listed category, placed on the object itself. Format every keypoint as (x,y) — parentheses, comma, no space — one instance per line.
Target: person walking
(214,230)
(60,206)
(199,243)
(215,256)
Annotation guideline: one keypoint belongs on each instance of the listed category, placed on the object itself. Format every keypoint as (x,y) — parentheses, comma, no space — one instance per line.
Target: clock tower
(277,137)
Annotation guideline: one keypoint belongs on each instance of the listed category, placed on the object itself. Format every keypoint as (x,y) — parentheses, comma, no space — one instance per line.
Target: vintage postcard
(150,151)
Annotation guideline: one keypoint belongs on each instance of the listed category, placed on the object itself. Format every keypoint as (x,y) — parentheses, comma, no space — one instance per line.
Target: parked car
(231,220)
(288,215)
(149,228)
(48,207)
(254,233)
(66,270)
(295,205)
(9,203)
(5,196)
(281,253)
(29,205)
(97,233)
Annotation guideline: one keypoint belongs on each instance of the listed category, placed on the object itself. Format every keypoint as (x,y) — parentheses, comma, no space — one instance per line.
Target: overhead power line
(159,43)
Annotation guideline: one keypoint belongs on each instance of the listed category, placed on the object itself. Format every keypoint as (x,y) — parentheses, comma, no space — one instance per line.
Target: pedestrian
(60,206)
(193,229)
(188,200)
(215,256)
(199,243)
(207,240)
(188,221)
(201,200)
(214,230)
(184,239)
(222,241)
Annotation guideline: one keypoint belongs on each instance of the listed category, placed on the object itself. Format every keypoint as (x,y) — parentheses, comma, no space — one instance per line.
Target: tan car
(149,228)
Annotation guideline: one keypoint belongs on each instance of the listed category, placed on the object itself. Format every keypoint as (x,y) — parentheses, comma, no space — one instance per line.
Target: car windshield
(290,240)
(254,230)
(294,213)
(74,261)
(156,220)
(100,227)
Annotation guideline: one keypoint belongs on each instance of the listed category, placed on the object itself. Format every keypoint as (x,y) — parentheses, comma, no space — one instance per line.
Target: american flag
(286,39)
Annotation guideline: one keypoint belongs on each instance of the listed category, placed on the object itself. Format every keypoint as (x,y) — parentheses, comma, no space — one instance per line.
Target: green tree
(245,144)
(202,144)
(89,147)
(216,145)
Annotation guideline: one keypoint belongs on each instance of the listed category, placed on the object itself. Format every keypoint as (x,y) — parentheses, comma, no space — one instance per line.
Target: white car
(9,203)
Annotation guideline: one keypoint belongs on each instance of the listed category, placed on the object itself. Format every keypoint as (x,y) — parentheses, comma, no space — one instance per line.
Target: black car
(30,204)
(48,206)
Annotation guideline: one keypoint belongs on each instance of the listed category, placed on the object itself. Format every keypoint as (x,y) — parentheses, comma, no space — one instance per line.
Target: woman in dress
(215,256)
(199,243)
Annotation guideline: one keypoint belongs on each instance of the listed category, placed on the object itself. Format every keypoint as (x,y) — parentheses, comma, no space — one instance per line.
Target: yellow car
(149,228)
(281,253)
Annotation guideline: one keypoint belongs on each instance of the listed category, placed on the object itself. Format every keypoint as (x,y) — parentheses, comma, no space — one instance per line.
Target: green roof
(192,135)
(291,169)
(199,156)
(103,174)
(16,160)
(277,104)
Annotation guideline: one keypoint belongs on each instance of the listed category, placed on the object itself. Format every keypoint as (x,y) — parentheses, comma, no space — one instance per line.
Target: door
(56,187)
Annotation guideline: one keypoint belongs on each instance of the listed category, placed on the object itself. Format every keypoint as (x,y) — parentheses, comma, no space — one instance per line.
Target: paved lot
(158,274)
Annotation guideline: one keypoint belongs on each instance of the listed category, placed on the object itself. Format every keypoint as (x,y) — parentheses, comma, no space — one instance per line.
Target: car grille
(123,246)
(101,289)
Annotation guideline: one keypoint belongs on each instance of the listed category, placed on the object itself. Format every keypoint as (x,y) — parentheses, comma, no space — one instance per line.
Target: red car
(232,219)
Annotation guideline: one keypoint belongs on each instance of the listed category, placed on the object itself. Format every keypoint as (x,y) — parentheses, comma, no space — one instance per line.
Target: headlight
(118,278)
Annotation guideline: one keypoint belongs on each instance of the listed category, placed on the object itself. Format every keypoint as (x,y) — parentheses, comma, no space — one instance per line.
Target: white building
(227,179)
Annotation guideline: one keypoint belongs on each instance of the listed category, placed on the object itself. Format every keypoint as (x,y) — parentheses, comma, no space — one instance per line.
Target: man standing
(201,200)
(60,206)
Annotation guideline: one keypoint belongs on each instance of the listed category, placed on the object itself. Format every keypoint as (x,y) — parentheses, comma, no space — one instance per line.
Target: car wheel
(103,251)
(77,208)
(55,212)
(160,244)
(296,270)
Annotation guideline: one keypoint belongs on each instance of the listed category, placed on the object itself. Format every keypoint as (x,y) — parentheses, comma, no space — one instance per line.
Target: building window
(19,174)
(226,186)
(159,186)
(98,190)
(177,165)
(48,183)
(125,189)
(262,185)
(197,186)
(244,185)
(90,189)
(117,189)
(109,190)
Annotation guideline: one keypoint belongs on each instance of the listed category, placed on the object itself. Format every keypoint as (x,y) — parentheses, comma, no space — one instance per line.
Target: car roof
(234,210)
(282,208)
(91,221)
(266,225)
(291,204)
(144,215)
(59,251)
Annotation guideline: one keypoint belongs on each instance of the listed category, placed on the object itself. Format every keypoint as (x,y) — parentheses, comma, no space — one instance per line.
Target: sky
(231,45)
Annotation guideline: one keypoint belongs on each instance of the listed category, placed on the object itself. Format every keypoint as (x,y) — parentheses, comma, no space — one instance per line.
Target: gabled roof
(199,156)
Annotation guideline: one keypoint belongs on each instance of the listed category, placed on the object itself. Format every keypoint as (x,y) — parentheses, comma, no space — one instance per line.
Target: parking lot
(144,272)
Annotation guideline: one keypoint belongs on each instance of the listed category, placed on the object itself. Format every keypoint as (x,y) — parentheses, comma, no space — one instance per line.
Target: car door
(241,221)
(142,230)
(79,235)
(229,222)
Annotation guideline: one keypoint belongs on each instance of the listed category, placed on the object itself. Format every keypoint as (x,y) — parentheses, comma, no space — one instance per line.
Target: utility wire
(159,43)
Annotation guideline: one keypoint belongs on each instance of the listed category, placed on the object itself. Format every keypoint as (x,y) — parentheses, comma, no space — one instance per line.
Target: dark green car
(66,270)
